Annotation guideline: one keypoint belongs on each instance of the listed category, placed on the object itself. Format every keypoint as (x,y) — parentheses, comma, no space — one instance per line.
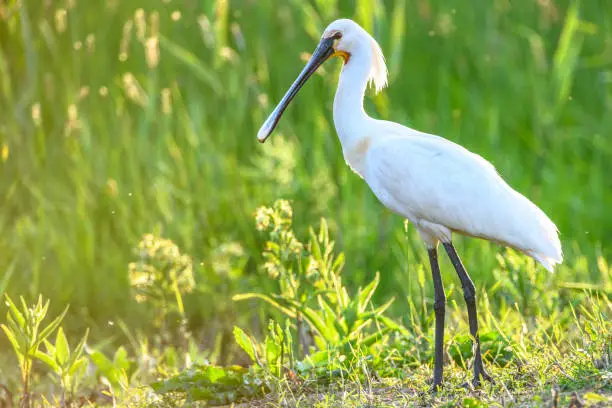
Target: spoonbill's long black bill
(321,54)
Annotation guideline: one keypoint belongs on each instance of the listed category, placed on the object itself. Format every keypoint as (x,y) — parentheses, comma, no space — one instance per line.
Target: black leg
(469,294)
(440,310)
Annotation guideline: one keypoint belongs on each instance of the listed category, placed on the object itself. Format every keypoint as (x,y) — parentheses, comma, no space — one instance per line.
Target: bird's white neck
(349,116)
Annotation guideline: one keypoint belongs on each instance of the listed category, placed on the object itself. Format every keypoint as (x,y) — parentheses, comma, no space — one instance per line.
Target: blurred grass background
(123,118)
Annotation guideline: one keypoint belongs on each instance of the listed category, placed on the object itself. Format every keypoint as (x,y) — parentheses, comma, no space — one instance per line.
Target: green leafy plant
(24,331)
(113,371)
(312,296)
(271,354)
(311,291)
(162,276)
(161,272)
(213,384)
(224,385)
(68,365)
(495,349)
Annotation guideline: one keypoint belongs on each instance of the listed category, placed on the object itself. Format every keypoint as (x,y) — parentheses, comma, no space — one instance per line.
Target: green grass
(115,123)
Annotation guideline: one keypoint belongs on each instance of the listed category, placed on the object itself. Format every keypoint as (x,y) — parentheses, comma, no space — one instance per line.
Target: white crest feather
(378,72)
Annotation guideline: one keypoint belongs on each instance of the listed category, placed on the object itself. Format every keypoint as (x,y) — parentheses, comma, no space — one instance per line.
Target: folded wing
(425,177)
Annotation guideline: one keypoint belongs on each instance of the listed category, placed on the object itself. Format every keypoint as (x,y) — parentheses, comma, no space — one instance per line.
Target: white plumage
(436,184)
(439,186)
(443,188)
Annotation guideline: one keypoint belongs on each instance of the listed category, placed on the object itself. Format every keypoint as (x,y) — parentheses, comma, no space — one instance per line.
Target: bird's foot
(476,381)
(437,386)
(468,386)
(478,374)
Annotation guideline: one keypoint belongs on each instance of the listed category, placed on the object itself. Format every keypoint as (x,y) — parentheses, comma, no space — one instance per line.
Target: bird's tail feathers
(547,262)
(549,252)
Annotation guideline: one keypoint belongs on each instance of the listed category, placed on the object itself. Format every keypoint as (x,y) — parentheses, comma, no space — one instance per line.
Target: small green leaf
(273,351)
(120,359)
(351,314)
(380,310)
(78,350)
(317,359)
(46,332)
(289,342)
(313,318)
(49,346)
(113,371)
(331,320)
(315,248)
(15,311)
(366,293)
(267,299)
(245,343)
(47,359)
(374,338)
(338,263)
(18,331)
(11,336)
(101,361)
(394,326)
(78,365)
(42,312)
(26,309)
(62,349)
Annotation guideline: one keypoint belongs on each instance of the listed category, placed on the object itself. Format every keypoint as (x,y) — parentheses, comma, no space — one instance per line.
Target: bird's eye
(337,35)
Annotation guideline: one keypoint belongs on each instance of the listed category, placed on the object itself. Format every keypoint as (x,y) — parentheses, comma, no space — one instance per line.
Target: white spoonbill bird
(436,184)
